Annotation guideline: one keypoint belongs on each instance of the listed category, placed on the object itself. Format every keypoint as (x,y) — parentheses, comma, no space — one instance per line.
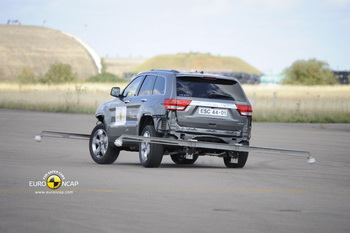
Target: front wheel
(101,150)
(150,154)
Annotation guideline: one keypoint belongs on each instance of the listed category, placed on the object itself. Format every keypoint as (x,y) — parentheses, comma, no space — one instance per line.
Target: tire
(150,154)
(180,159)
(101,149)
(238,162)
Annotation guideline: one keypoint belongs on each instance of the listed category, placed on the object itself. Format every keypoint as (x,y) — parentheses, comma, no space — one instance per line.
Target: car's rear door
(137,105)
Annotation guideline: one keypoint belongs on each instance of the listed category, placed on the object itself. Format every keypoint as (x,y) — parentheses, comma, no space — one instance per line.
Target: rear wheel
(150,154)
(180,159)
(101,150)
(235,159)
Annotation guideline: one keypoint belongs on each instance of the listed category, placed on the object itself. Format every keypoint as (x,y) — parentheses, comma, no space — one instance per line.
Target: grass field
(315,104)
(72,98)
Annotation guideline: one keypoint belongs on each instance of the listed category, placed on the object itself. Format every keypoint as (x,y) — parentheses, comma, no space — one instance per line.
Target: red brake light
(176,104)
(244,110)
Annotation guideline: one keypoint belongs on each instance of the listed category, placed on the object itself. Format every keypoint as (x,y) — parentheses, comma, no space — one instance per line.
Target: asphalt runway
(273,193)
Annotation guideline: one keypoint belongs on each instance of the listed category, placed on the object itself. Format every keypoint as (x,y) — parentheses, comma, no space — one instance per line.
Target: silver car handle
(126,101)
(144,100)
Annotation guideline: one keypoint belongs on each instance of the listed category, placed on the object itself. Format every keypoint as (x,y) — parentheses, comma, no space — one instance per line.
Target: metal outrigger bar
(210,145)
(175,142)
(53,134)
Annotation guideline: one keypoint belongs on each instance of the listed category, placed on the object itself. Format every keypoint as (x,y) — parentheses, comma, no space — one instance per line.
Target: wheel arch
(100,118)
(145,120)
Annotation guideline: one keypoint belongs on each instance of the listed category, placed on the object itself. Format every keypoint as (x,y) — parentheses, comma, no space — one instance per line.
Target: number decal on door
(120,116)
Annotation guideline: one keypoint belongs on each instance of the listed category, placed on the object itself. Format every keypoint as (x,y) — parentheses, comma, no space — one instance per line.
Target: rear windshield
(209,88)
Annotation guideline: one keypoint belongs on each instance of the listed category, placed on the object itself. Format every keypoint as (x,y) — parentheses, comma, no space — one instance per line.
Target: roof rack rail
(175,71)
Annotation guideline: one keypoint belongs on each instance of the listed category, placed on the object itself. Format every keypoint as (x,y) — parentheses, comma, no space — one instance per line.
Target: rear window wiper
(220,96)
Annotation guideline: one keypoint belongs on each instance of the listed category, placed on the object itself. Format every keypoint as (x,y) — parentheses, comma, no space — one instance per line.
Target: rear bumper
(216,132)
(227,136)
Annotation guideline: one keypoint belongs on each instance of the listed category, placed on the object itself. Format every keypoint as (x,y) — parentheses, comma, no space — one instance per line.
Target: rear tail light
(176,104)
(244,110)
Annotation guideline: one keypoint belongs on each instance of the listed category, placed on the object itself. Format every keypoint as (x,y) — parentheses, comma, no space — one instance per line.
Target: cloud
(278,5)
(219,7)
(339,3)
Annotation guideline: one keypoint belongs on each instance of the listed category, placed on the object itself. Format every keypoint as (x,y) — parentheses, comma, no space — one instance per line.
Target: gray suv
(173,105)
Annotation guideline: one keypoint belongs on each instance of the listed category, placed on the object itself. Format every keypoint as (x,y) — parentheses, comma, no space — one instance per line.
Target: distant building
(244,78)
(272,78)
(343,76)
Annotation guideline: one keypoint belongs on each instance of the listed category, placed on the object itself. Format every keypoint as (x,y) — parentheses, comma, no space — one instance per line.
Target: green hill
(37,48)
(197,62)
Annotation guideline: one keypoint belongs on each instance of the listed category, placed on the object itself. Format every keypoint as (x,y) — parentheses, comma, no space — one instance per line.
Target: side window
(147,85)
(131,89)
(159,86)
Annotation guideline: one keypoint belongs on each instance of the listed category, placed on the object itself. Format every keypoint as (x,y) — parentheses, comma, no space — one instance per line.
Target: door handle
(126,101)
(144,100)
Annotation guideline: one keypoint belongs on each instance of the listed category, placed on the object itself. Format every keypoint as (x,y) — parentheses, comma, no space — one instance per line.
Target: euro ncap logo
(54,181)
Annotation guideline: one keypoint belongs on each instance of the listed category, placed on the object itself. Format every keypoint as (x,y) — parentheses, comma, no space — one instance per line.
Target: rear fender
(145,120)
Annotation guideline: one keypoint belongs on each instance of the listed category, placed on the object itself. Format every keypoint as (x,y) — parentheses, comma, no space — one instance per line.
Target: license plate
(213,112)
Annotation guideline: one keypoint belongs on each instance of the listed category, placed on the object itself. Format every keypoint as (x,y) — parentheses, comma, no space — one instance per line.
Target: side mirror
(115,92)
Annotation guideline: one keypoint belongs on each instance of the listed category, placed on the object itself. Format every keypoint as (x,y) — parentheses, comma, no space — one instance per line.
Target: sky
(268,34)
